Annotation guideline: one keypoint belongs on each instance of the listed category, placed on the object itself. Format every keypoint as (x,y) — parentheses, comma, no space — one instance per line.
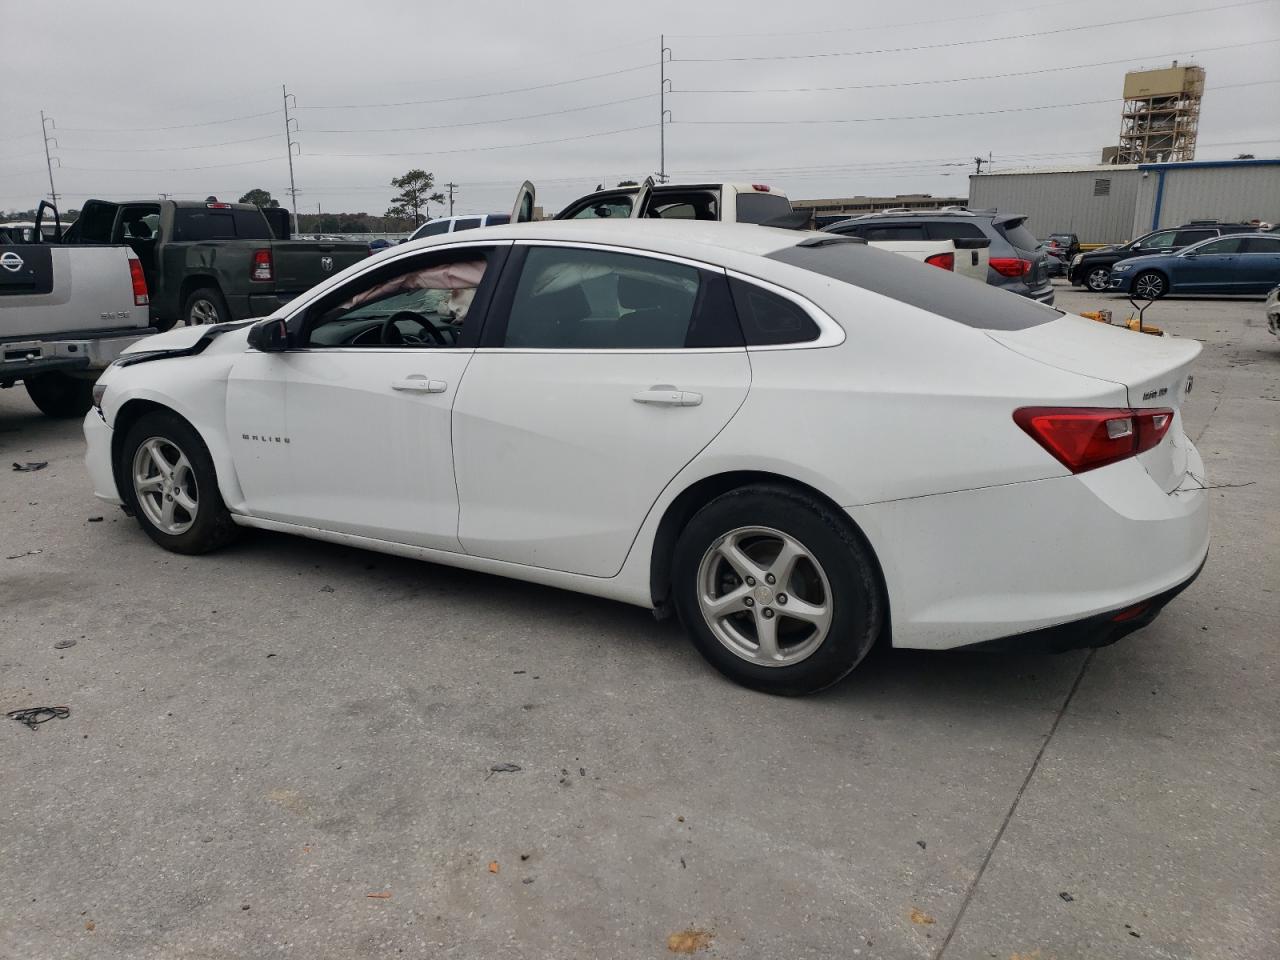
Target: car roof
(674,236)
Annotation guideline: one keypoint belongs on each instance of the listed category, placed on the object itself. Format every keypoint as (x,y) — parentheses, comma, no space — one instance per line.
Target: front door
(1209,268)
(600,376)
(362,445)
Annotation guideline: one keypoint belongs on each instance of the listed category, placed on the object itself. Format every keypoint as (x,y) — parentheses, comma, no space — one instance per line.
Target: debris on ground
(244,906)
(326,589)
(1066,897)
(90,925)
(24,553)
(34,716)
(505,768)
(524,856)
(493,866)
(385,895)
(64,644)
(689,941)
(527,880)
(31,466)
(919,916)
(95,519)
(922,845)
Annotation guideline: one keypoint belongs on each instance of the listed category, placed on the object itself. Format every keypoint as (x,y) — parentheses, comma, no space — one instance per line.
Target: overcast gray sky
(111,74)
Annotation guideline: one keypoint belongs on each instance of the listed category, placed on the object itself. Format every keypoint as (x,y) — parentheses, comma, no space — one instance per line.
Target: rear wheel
(205,305)
(1149,286)
(171,486)
(59,395)
(1096,278)
(776,590)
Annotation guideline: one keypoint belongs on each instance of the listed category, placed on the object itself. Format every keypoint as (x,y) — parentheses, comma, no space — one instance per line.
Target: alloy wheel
(764,596)
(165,486)
(1149,286)
(203,311)
(1097,279)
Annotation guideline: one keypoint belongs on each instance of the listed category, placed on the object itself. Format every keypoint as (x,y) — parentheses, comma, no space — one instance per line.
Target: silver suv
(1018,262)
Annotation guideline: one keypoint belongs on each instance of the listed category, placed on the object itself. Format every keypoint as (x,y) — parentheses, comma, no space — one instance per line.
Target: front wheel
(1149,286)
(776,590)
(58,395)
(1096,278)
(170,484)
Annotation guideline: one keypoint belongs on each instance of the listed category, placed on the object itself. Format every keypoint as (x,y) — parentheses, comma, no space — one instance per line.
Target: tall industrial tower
(1161,114)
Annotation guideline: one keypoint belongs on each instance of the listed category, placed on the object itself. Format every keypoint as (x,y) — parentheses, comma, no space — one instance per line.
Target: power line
(195,146)
(211,166)
(944,116)
(501,146)
(480,123)
(176,126)
(987,76)
(969,43)
(479,96)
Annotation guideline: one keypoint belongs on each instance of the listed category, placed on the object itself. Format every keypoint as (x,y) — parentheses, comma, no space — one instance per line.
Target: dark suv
(1093,269)
(1018,261)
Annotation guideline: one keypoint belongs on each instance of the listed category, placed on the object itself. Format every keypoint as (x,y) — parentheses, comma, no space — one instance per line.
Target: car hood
(182,339)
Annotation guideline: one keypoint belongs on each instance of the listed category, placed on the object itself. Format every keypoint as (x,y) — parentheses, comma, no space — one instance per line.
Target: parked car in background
(780,436)
(1273,312)
(1237,264)
(209,262)
(1057,266)
(1064,246)
(1017,262)
(66,311)
(441,225)
(970,262)
(26,231)
(726,202)
(1092,269)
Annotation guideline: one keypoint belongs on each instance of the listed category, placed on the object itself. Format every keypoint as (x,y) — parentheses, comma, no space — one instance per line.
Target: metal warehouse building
(1112,204)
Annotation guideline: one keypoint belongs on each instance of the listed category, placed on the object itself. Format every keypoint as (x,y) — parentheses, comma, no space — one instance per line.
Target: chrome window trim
(830,333)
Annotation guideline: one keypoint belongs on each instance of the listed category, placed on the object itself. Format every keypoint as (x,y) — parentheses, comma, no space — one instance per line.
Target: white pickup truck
(66,311)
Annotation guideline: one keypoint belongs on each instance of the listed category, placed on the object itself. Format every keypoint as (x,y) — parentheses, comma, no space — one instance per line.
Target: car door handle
(419,384)
(665,395)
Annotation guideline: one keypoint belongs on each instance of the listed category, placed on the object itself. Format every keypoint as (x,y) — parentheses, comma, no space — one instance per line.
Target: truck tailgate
(301,264)
(52,289)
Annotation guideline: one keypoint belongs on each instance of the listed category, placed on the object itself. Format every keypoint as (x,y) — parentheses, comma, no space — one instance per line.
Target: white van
(454,224)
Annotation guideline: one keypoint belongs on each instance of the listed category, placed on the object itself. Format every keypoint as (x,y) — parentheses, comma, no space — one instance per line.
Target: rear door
(601,373)
(1259,264)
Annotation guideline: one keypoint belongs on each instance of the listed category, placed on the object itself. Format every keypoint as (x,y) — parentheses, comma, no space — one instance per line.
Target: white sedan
(796,443)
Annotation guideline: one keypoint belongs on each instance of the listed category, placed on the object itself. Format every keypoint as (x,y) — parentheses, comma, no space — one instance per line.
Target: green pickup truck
(209,262)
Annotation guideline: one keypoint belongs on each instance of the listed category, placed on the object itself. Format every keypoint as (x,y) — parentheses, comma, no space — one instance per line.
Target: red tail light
(139,280)
(1085,438)
(1011,266)
(262,266)
(947,261)
(218,206)
(760,188)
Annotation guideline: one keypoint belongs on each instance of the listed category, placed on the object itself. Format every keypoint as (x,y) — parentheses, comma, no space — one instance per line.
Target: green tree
(261,197)
(416,193)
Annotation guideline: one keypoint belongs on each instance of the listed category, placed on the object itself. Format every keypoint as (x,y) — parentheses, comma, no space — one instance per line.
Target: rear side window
(697,205)
(204,225)
(893,231)
(576,299)
(1184,238)
(972,304)
(466,223)
(1016,232)
(958,230)
(762,207)
(1262,245)
(495,219)
(768,319)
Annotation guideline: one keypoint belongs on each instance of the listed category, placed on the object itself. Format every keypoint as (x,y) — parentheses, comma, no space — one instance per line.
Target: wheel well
(690,501)
(126,417)
(191,284)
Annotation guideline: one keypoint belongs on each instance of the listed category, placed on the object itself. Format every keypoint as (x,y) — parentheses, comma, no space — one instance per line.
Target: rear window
(198,224)
(894,276)
(762,207)
(1016,232)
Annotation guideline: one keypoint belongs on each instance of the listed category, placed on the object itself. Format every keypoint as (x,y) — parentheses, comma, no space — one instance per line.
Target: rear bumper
(1012,561)
(19,358)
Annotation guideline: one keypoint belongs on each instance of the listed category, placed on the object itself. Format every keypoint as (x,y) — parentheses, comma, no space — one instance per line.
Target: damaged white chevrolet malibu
(796,443)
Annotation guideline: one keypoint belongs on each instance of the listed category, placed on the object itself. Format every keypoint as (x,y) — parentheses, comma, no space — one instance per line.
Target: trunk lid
(1155,372)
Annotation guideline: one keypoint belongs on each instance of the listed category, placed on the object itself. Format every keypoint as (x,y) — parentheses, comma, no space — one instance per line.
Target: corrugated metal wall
(1246,192)
(1065,201)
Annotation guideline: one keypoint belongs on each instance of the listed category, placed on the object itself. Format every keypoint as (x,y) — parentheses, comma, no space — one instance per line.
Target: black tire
(1095,278)
(205,305)
(1152,283)
(838,553)
(59,395)
(211,525)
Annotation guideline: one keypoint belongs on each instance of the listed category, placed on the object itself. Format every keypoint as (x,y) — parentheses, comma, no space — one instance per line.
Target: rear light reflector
(263,269)
(947,261)
(1085,438)
(1010,266)
(139,281)
(1131,613)
(760,188)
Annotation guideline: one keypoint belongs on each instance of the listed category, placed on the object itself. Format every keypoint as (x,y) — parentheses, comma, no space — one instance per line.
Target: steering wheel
(391,334)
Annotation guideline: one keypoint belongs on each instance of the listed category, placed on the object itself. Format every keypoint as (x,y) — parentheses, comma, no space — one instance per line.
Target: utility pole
(978,162)
(451,187)
(46,123)
(663,113)
(290,144)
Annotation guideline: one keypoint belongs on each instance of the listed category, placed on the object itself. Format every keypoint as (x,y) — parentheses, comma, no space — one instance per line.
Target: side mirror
(270,336)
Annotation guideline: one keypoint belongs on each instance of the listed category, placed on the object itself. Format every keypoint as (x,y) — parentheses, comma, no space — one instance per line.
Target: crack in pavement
(1013,807)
